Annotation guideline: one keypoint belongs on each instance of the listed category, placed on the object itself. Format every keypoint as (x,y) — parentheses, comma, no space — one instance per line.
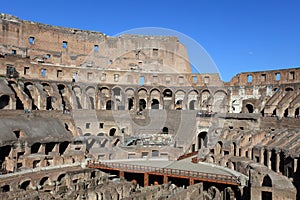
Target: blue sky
(239,35)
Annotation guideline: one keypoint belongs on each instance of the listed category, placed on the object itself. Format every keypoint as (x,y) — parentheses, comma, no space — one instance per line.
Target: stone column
(268,159)
(295,164)
(277,161)
(249,153)
(261,155)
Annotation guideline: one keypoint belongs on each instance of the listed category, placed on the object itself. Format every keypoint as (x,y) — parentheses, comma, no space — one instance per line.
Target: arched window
(4,101)
(250,108)
(112,132)
(167,93)
(130,103)
(267,181)
(165,130)
(155,104)
(202,140)
(142,104)
(192,105)
(109,105)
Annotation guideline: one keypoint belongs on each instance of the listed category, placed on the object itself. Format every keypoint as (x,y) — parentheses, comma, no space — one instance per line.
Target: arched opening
(234,148)
(165,130)
(4,152)
(112,132)
(25,185)
(90,91)
(288,167)
(202,139)
(87,134)
(167,93)
(249,77)
(19,103)
(286,112)
(289,89)
(267,182)
(61,91)
(219,146)
(155,104)
(62,178)
(297,112)
(142,104)
(44,181)
(250,108)
(116,91)
(110,105)
(27,88)
(19,133)
(5,188)
(49,103)
(35,148)
(36,163)
(4,101)
(179,105)
(77,92)
(130,103)
(63,147)
(192,105)
(274,113)
(49,147)
(93,175)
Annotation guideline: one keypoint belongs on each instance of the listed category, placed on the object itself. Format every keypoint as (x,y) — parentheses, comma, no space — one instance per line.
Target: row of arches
(37,96)
(116,99)
(36,184)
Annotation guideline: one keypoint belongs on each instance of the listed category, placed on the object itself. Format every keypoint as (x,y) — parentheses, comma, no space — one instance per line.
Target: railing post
(165,179)
(146,179)
(121,173)
(192,181)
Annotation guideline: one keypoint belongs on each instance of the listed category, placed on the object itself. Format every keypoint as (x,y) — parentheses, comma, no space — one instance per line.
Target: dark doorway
(267,182)
(155,104)
(109,105)
(130,103)
(266,195)
(4,101)
(25,185)
(192,105)
(165,130)
(112,132)
(49,103)
(202,140)
(250,108)
(62,147)
(142,104)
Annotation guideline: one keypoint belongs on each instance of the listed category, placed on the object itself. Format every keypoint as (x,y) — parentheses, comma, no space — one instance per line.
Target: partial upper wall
(282,76)
(73,47)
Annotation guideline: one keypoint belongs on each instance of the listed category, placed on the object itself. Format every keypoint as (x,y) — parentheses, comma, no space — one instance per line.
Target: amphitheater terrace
(89,116)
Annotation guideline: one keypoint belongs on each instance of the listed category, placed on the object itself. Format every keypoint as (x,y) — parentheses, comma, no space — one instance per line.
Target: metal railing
(167,171)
